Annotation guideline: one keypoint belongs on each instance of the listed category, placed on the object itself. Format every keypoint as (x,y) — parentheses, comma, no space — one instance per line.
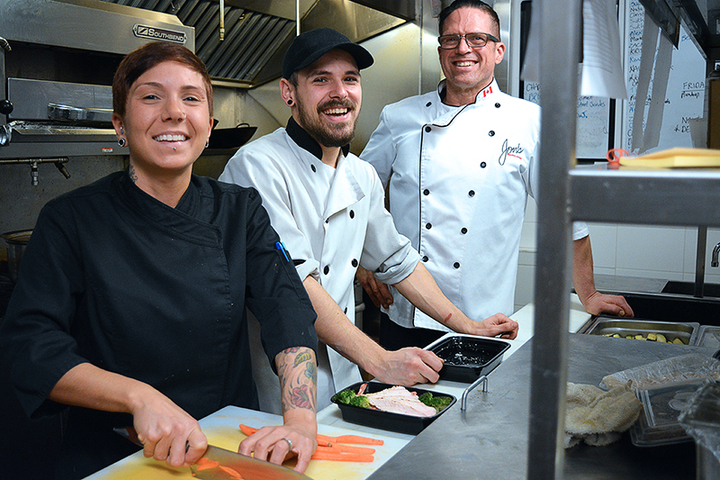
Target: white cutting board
(221,429)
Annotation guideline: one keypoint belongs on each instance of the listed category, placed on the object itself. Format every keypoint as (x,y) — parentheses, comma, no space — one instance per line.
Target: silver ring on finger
(289,442)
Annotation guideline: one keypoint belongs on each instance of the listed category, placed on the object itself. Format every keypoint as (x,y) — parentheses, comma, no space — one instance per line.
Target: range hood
(256,33)
(56,68)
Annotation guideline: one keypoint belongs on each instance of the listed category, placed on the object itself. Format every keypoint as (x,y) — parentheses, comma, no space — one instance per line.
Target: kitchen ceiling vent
(251,38)
(258,32)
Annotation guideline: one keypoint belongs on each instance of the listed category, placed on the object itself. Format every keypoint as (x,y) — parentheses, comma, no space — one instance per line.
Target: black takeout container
(468,357)
(395,422)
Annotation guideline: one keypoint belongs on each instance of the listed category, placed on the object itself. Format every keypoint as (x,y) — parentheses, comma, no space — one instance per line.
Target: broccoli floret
(360,401)
(349,397)
(439,403)
(426,398)
(345,396)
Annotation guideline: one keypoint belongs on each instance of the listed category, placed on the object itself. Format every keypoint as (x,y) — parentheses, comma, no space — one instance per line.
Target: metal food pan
(687,332)
(709,336)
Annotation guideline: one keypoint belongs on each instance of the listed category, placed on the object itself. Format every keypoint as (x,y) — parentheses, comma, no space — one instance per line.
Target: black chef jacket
(114,277)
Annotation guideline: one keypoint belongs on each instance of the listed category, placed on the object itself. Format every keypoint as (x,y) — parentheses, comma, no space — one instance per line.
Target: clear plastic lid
(659,425)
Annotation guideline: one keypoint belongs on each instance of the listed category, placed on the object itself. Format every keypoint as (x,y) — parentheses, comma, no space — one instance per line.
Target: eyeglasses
(474,40)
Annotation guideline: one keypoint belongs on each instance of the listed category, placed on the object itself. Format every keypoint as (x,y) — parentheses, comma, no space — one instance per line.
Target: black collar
(305,141)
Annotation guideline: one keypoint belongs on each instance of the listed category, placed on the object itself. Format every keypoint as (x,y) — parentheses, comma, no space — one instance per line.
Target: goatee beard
(327,135)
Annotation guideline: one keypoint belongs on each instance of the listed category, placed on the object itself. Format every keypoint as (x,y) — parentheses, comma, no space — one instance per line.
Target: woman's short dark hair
(146,57)
(469,4)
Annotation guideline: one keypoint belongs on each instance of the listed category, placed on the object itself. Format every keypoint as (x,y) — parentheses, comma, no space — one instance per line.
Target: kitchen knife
(248,468)
(230,465)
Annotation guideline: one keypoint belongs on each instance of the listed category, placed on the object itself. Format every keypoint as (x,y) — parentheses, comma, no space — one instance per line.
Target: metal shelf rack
(566,194)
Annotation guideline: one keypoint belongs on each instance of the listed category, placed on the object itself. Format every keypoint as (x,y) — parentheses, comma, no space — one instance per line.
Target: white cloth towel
(598,417)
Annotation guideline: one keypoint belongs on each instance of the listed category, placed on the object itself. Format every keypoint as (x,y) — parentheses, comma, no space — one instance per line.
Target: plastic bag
(684,368)
(701,417)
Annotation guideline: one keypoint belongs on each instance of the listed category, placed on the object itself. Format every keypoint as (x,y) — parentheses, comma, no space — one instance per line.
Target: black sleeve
(36,344)
(275,293)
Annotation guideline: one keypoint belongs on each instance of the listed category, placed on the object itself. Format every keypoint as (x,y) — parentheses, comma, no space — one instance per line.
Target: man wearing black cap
(328,207)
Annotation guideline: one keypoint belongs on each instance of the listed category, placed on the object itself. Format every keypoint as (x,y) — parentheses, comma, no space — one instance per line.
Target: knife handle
(128,433)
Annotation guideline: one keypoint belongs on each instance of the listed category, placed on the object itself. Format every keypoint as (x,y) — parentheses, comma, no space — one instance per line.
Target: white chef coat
(459,181)
(330,219)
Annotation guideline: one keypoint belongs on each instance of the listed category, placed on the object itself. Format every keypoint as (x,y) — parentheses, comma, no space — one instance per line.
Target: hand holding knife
(218,463)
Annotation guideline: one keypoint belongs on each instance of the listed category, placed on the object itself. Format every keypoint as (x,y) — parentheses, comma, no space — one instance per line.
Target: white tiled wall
(626,250)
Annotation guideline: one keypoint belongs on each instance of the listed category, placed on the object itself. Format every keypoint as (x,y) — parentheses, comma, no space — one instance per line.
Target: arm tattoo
(297,371)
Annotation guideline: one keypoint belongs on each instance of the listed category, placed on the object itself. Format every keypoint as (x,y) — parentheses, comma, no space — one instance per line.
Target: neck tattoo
(133,175)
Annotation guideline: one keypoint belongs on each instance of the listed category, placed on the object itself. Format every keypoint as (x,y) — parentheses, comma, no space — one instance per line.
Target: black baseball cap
(308,47)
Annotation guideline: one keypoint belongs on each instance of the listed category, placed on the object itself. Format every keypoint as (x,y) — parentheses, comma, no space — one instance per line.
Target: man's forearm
(421,289)
(582,269)
(337,331)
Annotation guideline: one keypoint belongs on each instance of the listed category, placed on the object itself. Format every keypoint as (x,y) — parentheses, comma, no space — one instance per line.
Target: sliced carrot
(342,457)
(326,440)
(349,439)
(232,472)
(205,463)
(358,439)
(248,430)
(338,448)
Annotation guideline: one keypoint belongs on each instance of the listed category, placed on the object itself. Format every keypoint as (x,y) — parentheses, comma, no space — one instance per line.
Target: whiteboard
(592,124)
(685,96)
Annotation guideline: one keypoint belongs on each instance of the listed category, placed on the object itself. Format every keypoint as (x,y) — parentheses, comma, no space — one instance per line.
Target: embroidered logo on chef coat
(487,91)
(509,151)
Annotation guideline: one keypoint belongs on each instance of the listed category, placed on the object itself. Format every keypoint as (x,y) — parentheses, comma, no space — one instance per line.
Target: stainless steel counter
(489,440)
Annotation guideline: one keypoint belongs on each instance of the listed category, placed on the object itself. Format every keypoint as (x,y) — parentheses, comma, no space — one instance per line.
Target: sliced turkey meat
(400,400)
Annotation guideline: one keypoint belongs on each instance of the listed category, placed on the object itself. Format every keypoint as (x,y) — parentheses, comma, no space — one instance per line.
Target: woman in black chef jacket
(130,304)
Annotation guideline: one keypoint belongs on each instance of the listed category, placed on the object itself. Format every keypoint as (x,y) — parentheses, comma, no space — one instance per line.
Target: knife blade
(248,468)
(230,465)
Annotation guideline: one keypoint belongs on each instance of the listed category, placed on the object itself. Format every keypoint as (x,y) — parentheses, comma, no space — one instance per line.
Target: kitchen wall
(625,250)
(20,202)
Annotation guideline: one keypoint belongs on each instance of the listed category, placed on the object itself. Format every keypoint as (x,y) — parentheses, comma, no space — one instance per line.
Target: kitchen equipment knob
(6,106)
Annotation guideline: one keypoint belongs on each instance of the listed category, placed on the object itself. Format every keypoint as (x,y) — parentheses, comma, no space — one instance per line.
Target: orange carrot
(337,448)
(342,457)
(326,440)
(205,463)
(358,439)
(232,472)
(349,439)
(248,430)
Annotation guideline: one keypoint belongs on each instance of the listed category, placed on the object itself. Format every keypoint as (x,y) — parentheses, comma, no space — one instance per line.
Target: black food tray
(467,357)
(395,422)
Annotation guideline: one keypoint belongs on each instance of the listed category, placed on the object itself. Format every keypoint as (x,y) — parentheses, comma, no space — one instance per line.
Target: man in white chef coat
(329,210)
(459,163)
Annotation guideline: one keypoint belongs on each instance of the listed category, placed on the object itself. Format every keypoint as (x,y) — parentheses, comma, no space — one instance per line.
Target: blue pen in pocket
(280,246)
